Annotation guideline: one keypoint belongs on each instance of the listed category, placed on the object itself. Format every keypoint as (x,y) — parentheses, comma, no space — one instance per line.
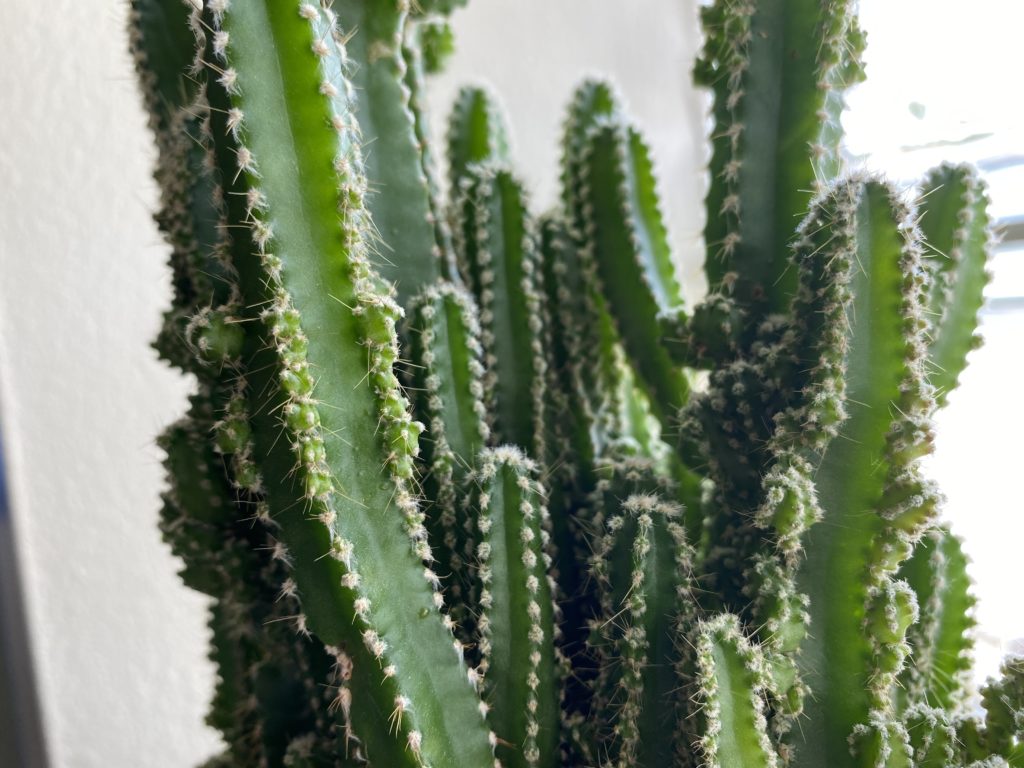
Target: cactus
(471,486)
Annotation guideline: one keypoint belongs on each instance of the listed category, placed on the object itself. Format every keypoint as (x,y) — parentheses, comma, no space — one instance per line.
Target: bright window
(943,84)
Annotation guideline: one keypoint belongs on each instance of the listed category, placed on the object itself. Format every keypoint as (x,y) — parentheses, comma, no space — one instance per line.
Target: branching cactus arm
(629,248)
(332,436)
(515,609)
(731,680)
(448,382)
(777,70)
(854,645)
(957,238)
(404,249)
(498,245)
(477,134)
(940,641)
(644,567)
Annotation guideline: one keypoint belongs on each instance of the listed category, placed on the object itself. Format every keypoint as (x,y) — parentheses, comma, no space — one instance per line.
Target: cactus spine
(449,472)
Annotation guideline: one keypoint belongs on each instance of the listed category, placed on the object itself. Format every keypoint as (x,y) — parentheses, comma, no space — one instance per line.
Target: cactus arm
(335,467)
(778,609)
(709,337)
(933,739)
(516,611)
(956,230)
(573,440)
(643,564)
(776,69)
(584,351)
(1003,700)
(163,48)
(265,690)
(437,43)
(731,680)
(208,516)
(287,673)
(199,521)
(448,384)
(448,376)
(570,418)
(196,504)
(500,250)
(881,743)
(190,222)
(477,133)
(941,641)
(592,101)
(581,303)
(622,199)
(588,640)
(845,574)
(414,54)
(231,711)
(627,242)
(398,189)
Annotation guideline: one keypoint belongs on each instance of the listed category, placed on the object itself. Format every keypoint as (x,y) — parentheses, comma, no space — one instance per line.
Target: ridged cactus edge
(470,485)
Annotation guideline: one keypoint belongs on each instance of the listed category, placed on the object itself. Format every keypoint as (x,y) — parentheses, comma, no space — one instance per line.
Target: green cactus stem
(610,386)
(957,236)
(941,641)
(447,378)
(161,45)
(498,248)
(405,250)
(191,222)
(643,566)
(933,739)
(618,476)
(730,684)
(416,56)
(629,246)
(437,44)
(582,356)
(515,608)
(592,101)
(266,692)
(777,70)
(199,502)
(1003,700)
(336,466)
(854,646)
(477,133)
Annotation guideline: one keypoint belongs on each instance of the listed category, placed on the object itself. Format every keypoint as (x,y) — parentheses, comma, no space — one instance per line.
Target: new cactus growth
(449,475)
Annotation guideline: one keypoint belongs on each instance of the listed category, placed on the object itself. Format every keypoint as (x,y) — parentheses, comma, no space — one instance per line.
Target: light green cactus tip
(472,487)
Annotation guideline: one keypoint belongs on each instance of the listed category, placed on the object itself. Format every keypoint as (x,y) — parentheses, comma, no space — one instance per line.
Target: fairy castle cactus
(470,486)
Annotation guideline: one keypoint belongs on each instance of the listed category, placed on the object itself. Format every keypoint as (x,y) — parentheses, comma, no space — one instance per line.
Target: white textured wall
(120,644)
